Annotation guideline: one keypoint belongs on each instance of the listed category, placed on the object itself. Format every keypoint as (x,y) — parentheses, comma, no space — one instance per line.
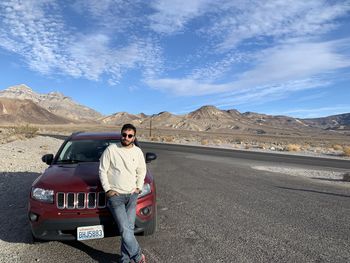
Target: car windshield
(83,150)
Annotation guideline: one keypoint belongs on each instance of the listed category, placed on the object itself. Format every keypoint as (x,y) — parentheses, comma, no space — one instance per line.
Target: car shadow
(15,228)
(14,194)
(97,255)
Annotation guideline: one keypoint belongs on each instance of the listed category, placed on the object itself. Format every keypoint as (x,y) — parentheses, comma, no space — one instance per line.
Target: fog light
(33,217)
(146,211)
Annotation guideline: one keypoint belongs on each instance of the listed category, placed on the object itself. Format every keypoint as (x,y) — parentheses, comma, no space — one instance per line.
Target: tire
(35,240)
(152,226)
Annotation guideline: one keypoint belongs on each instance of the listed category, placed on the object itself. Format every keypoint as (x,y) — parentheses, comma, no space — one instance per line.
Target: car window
(83,150)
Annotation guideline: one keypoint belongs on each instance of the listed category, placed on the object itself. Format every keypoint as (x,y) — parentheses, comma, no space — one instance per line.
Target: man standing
(122,172)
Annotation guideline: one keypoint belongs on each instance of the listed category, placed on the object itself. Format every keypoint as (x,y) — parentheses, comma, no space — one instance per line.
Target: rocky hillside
(210,118)
(53,102)
(121,118)
(19,111)
(334,122)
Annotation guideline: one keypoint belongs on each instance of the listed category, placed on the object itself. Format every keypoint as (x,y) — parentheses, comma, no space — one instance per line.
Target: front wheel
(36,240)
(152,226)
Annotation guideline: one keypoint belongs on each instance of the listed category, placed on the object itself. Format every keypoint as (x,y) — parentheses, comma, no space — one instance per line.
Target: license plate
(90,232)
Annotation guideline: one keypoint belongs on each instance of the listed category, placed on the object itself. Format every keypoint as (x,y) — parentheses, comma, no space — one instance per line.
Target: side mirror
(150,157)
(47,158)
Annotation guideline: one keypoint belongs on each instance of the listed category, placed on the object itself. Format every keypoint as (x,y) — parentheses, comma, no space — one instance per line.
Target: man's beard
(126,143)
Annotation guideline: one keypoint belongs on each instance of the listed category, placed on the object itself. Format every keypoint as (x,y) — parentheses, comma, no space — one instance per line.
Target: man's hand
(111,193)
(137,191)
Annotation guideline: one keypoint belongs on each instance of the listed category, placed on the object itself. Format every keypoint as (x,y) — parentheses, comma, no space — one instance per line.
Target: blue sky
(275,57)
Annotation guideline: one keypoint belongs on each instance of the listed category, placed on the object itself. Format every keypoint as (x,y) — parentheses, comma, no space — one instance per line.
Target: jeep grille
(81,200)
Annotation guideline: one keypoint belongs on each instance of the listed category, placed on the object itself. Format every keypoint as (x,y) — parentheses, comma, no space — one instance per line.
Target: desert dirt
(336,145)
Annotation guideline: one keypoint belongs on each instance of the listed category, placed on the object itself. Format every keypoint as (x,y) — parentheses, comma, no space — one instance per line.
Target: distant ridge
(334,122)
(54,102)
(121,118)
(19,111)
(210,118)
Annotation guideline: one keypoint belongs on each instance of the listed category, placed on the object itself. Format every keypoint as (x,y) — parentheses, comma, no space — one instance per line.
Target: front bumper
(53,224)
(66,229)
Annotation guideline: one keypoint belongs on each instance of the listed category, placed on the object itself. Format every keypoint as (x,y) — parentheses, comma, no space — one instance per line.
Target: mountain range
(20,104)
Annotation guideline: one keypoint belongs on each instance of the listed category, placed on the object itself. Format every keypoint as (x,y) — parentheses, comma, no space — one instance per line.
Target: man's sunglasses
(127,135)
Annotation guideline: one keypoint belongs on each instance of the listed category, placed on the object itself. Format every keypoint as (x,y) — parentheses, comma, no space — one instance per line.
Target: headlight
(42,195)
(146,189)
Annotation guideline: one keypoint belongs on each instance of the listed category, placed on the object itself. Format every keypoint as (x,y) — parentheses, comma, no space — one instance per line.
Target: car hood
(73,177)
(70,177)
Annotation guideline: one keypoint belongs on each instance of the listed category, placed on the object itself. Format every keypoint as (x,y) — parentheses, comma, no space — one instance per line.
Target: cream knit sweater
(122,169)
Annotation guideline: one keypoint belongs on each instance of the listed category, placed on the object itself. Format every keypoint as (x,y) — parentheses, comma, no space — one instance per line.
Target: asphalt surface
(212,207)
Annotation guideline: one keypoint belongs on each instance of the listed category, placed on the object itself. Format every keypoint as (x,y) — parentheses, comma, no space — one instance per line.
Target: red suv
(67,201)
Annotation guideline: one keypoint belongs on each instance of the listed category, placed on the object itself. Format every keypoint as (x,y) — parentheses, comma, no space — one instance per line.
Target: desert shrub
(204,142)
(261,146)
(318,150)
(346,177)
(346,151)
(337,147)
(26,131)
(293,147)
(260,131)
(306,146)
(169,139)
(217,141)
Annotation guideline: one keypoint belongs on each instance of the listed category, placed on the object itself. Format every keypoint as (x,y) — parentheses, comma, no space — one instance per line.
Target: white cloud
(278,72)
(37,31)
(288,63)
(317,112)
(31,33)
(117,15)
(100,58)
(274,19)
(260,94)
(219,68)
(295,61)
(171,16)
(267,93)
(265,23)
(310,98)
(91,60)
(186,87)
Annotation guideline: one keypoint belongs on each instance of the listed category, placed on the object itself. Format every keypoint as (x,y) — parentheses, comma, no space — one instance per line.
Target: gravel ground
(327,176)
(25,155)
(21,161)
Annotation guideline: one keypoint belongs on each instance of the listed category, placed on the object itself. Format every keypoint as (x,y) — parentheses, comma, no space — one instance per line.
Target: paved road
(213,207)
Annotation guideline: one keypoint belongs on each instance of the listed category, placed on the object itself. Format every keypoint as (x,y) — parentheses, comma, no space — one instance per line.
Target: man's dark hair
(129,126)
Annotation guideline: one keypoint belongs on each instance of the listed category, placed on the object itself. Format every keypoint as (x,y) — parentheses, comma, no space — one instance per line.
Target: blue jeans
(123,209)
